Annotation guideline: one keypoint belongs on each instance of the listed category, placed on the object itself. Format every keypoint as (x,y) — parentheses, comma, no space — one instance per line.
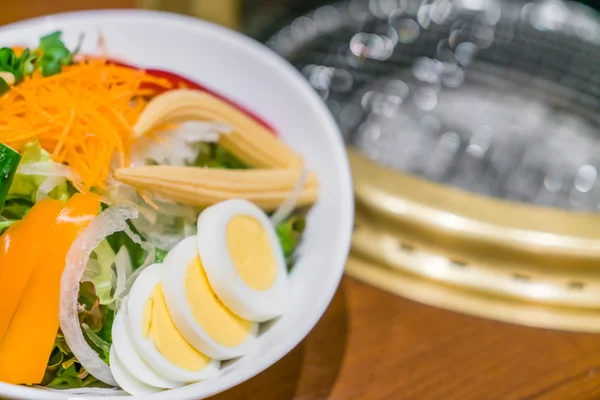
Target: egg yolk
(249,248)
(223,326)
(159,326)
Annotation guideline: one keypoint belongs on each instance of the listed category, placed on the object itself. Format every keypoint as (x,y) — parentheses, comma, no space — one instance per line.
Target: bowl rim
(339,158)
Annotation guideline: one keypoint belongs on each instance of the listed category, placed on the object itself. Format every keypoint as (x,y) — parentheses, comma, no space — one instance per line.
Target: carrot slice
(19,247)
(26,348)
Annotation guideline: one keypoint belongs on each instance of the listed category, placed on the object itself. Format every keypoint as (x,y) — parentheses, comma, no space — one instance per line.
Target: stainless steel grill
(498,98)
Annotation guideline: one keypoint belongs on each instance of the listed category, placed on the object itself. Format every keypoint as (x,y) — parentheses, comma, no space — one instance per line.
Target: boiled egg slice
(129,357)
(128,382)
(243,259)
(157,338)
(200,316)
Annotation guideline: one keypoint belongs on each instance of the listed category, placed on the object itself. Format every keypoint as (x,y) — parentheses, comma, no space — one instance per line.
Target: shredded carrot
(83,116)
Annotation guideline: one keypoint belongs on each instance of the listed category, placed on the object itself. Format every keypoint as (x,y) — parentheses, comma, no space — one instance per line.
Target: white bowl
(249,74)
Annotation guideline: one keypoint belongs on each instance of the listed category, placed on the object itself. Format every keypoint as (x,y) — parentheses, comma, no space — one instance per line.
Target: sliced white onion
(159,232)
(45,168)
(165,241)
(47,186)
(189,230)
(149,247)
(120,193)
(178,146)
(123,261)
(124,270)
(55,174)
(287,207)
(168,207)
(132,279)
(149,261)
(198,131)
(111,220)
(154,224)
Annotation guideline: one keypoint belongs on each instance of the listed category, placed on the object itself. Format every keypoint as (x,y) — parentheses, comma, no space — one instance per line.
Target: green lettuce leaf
(95,319)
(24,187)
(15,209)
(99,343)
(215,156)
(5,224)
(69,375)
(136,253)
(63,371)
(93,313)
(160,255)
(105,332)
(104,281)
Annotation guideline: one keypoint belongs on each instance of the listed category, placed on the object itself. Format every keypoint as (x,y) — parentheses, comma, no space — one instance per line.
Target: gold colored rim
(532,283)
(475,247)
(446,212)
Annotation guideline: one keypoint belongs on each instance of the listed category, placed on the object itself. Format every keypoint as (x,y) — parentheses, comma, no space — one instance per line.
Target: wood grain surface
(373,345)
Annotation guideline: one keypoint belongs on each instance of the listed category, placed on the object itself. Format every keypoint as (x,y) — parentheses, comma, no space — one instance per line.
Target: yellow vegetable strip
(19,247)
(30,338)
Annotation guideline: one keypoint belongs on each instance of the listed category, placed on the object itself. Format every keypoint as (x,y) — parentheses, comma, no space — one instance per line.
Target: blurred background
(472,128)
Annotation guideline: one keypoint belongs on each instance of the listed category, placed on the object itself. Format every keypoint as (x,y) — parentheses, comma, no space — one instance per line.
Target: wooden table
(373,345)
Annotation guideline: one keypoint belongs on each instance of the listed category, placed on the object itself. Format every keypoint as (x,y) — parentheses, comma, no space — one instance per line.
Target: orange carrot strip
(91,99)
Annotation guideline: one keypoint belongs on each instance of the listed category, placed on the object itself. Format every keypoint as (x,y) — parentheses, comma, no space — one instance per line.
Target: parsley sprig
(49,57)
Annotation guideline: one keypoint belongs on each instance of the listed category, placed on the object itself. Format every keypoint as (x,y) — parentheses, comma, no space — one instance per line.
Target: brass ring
(475,247)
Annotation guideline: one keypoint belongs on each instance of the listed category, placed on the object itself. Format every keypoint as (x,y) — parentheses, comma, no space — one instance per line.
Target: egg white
(251,304)
(138,295)
(128,382)
(174,273)
(129,356)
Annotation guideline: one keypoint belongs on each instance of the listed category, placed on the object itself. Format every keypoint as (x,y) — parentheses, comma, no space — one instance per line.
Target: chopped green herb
(54,54)
(49,57)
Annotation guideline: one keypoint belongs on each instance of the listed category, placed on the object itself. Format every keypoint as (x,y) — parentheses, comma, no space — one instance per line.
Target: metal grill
(498,98)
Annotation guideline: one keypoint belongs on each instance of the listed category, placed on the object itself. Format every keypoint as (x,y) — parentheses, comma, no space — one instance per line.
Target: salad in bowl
(175,207)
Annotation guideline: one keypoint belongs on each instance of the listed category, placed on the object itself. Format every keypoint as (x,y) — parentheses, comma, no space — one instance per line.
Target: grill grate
(496,98)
